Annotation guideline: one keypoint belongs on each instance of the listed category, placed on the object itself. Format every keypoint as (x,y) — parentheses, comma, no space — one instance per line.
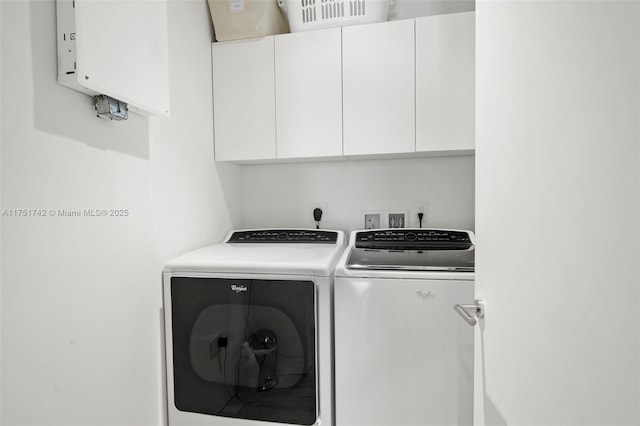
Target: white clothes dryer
(248,329)
(403,355)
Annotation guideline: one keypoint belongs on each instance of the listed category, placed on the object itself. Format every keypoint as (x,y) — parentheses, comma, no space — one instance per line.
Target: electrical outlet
(371,219)
(324,206)
(419,207)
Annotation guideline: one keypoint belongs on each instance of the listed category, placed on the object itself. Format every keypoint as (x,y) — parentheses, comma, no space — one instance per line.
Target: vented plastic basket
(315,14)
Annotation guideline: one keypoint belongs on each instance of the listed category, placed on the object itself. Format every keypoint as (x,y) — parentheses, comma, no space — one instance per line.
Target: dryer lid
(284,236)
(265,256)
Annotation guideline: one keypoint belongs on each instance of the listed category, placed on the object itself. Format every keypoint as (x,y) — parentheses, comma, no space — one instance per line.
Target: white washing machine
(249,329)
(403,355)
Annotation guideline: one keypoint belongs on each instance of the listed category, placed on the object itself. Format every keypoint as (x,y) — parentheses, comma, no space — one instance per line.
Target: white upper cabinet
(244,100)
(308,68)
(396,87)
(445,82)
(379,88)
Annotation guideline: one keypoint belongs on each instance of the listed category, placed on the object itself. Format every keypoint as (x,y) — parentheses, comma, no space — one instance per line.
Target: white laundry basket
(315,14)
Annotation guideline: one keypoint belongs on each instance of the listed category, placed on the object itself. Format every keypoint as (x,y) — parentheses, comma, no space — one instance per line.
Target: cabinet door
(308,94)
(379,88)
(445,82)
(244,100)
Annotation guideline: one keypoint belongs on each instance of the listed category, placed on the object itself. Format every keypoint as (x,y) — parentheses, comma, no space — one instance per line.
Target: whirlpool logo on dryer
(239,288)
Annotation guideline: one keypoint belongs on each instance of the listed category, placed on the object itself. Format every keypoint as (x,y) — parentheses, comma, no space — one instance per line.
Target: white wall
(1,133)
(558,171)
(403,9)
(280,195)
(81,296)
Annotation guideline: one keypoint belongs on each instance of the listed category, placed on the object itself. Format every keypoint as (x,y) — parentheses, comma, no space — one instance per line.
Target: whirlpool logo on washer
(425,294)
(239,288)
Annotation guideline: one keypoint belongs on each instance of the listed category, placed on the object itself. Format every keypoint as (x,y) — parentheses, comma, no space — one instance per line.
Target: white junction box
(116,48)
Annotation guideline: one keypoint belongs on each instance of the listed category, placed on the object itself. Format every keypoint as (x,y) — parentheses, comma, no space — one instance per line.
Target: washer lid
(412,260)
(413,250)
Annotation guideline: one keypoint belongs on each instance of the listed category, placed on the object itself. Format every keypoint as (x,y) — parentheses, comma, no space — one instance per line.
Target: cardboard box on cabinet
(239,19)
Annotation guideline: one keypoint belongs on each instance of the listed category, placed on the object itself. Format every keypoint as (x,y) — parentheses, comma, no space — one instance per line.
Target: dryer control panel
(306,236)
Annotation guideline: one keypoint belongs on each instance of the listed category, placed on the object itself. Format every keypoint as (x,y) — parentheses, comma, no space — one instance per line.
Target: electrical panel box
(117,48)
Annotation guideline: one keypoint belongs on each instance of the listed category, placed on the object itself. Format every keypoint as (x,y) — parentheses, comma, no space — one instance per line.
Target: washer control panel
(413,239)
(306,236)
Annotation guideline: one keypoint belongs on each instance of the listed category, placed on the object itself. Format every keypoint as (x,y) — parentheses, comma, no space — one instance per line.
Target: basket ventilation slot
(308,11)
(357,7)
(332,9)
